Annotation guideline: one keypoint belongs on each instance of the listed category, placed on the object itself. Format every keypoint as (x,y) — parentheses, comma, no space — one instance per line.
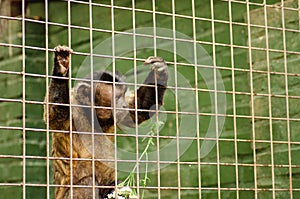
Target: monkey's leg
(150,97)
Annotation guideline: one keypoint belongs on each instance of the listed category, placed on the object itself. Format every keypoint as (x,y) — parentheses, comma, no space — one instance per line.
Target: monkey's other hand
(158,63)
(62,61)
(160,67)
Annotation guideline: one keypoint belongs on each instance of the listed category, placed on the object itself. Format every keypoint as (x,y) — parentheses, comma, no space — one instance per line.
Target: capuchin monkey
(98,107)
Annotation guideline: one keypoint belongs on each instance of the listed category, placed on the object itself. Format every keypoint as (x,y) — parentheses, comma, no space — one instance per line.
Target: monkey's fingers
(158,63)
(62,60)
(153,59)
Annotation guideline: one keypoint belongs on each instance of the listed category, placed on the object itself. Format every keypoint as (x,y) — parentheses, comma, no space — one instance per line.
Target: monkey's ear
(83,93)
(108,77)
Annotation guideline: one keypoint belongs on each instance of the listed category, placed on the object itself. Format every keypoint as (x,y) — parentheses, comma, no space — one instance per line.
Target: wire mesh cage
(225,124)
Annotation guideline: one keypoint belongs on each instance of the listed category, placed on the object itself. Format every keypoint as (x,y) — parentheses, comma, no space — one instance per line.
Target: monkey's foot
(62,60)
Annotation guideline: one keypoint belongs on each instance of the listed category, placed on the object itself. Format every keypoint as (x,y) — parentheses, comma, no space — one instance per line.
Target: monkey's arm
(59,89)
(150,97)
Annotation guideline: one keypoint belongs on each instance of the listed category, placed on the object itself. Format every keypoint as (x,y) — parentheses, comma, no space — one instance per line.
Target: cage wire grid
(198,188)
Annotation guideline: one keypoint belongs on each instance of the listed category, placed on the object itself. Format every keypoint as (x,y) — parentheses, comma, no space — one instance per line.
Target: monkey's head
(106,95)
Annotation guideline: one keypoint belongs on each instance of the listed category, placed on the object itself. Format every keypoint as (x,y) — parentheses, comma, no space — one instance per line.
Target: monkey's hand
(158,63)
(62,61)
(59,89)
(160,68)
(149,97)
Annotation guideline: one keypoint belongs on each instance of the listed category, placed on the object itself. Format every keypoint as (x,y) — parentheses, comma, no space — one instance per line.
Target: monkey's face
(104,97)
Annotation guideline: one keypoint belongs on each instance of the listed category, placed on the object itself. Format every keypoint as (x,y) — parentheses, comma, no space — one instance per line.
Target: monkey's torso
(82,166)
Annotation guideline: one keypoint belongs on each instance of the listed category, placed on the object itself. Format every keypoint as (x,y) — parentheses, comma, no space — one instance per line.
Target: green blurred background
(271,150)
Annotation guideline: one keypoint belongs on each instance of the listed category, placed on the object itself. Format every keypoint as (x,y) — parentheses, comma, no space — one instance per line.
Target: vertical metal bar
(269,98)
(10,38)
(47,102)
(299,14)
(70,102)
(157,130)
(154,27)
(23,99)
(196,97)
(215,96)
(114,101)
(287,99)
(233,101)
(92,94)
(135,101)
(176,99)
(252,99)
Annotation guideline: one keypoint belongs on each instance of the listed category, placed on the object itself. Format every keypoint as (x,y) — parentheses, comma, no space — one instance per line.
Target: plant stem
(130,180)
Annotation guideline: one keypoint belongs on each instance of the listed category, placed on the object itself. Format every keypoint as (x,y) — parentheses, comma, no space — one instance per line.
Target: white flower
(111,195)
(125,191)
(122,193)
